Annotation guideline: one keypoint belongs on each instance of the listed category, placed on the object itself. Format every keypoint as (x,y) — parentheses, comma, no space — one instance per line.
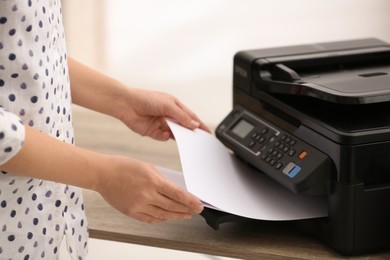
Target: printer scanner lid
(354,73)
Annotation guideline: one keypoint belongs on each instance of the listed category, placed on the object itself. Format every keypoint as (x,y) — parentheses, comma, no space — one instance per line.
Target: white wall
(186,47)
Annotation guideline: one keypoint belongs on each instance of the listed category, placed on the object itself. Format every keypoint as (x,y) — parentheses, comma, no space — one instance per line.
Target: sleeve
(12,134)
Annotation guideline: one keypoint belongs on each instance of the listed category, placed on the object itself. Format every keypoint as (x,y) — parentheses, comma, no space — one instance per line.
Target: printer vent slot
(374,74)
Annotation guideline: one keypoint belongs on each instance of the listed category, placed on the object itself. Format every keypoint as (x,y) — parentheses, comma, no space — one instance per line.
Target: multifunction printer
(316,119)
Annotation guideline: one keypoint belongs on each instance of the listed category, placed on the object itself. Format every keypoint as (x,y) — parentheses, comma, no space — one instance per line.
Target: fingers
(156,215)
(159,130)
(147,115)
(171,202)
(184,116)
(180,206)
(178,200)
(162,200)
(194,119)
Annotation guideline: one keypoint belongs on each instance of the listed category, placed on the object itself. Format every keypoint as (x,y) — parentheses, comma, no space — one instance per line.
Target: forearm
(96,91)
(47,158)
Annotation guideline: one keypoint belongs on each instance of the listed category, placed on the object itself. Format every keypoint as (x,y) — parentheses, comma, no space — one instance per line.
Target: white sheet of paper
(218,178)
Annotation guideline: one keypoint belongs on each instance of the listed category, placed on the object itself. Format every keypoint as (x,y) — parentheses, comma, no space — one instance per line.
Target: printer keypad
(280,154)
(272,148)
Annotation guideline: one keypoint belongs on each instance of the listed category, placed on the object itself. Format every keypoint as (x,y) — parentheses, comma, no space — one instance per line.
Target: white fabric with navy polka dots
(35,90)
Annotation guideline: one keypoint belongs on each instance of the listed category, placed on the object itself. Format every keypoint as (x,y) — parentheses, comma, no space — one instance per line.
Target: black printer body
(316,118)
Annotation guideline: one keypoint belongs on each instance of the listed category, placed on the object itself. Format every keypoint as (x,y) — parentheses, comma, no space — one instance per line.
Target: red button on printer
(302,155)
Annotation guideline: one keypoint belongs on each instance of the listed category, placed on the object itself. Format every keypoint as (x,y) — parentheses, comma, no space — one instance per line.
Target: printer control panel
(285,158)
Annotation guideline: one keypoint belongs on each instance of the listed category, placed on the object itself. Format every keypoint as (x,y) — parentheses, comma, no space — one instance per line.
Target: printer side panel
(358,219)
(370,165)
(242,76)
(372,214)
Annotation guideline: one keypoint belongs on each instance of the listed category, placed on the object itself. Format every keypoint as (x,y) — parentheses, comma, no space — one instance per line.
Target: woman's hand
(136,189)
(145,113)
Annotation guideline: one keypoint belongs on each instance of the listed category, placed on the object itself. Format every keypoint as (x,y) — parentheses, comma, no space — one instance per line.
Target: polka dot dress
(35,215)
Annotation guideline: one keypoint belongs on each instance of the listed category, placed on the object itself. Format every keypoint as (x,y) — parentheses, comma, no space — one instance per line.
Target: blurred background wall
(186,47)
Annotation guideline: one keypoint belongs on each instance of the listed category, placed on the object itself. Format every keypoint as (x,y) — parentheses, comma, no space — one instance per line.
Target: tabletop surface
(246,240)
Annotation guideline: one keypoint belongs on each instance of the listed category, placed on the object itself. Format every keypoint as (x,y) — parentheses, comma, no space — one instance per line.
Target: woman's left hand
(146,112)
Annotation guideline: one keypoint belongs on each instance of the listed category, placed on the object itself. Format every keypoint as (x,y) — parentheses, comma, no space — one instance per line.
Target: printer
(316,119)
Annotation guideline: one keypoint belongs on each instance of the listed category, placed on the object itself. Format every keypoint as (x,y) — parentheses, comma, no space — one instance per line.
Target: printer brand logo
(240,71)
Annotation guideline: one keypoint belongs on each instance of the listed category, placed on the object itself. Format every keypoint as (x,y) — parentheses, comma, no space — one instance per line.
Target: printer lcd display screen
(242,128)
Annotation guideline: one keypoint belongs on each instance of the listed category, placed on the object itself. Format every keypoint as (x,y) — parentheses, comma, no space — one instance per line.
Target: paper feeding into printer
(219,179)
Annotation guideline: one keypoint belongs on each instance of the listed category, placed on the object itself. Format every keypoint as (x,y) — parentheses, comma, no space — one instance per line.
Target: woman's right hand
(138,190)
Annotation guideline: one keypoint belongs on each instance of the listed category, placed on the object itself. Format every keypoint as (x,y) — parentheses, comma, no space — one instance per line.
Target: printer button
(291,152)
(302,155)
(278,166)
(273,162)
(294,171)
(291,169)
(292,142)
(272,139)
(264,131)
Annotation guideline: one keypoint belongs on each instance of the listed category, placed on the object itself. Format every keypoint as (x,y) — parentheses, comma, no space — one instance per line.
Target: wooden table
(256,240)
